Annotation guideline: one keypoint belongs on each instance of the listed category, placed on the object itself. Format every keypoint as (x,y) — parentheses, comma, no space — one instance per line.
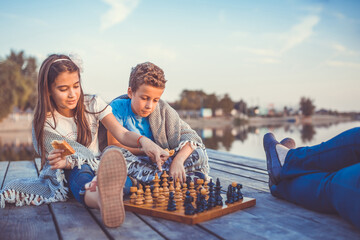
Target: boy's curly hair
(146,73)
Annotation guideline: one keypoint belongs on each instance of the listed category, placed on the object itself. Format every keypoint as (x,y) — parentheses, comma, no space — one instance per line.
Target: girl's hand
(156,153)
(177,170)
(55,159)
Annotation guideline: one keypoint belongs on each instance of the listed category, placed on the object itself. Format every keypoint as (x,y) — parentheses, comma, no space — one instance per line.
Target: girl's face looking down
(65,92)
(145,99)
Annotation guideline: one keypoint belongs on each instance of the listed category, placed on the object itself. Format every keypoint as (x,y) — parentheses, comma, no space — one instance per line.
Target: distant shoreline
(221,122)
(24,123)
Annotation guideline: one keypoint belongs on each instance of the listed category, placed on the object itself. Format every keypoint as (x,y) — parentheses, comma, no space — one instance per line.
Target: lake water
(243,140)
(248,141)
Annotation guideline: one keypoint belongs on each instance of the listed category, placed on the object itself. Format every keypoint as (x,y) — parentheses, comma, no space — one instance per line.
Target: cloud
(300,32)
(343,50)
(118,12)
(288,40)
(343,64)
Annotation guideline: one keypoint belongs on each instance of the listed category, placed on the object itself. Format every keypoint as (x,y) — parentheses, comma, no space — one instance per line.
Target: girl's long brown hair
(49,71)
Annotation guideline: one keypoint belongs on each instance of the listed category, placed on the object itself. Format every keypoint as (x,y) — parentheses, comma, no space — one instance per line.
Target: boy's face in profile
(145,99)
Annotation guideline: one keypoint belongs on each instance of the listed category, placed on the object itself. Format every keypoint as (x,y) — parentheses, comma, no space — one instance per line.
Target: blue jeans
(325,177)
(77,178)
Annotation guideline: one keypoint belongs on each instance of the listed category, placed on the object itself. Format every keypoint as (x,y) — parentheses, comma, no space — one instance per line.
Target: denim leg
(307,191)
(344,191)
(77,178)
(336,192)
(333,155)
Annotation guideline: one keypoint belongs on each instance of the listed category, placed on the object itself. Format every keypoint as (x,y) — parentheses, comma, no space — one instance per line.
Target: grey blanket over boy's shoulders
(168,129)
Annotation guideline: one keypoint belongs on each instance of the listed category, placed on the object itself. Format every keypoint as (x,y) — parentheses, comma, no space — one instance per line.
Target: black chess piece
(203,201)
(234,194)
(172,203)
(211,201)
(189,208)
(229,195)
(218,197)
(199,207)
(239,193)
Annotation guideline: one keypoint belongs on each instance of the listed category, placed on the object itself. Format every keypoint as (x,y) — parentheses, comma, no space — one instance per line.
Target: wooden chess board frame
(179,214)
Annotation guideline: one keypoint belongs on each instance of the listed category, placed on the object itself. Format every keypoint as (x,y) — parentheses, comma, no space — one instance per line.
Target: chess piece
(155,192)
(234,193)
(160,200)
(199,183)
(133,191)
(165,185)
(178,193)
(218,197)
(239,193)
(203,201)
(139,198)
(148,198)
(171,203)
(184,190)
(192,190)
(189,208)
(199,207)
(171,185)
(207,189)
(141,190)
(211,199)
(229,195)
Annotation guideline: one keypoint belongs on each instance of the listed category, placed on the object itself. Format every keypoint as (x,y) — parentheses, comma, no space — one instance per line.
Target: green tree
(18,83)
(306,106)
(10,75)
(211,101)
(226,104)
(191,100)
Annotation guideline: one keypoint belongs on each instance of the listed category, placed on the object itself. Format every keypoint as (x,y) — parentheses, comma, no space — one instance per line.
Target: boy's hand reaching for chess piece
(177,169)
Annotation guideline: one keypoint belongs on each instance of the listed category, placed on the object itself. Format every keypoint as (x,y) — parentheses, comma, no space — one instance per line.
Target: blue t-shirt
(122,111)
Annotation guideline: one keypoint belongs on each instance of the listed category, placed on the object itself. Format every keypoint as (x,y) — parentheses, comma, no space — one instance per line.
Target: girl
(63,112)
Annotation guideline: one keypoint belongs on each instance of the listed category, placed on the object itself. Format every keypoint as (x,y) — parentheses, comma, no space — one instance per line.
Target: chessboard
(179,215)
(157,202)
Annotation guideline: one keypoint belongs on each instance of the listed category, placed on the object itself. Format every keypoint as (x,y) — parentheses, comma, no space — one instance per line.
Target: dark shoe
(289,143)
(272,158)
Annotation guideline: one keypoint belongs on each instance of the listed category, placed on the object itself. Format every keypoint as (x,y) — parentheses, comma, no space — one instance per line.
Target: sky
(268,53)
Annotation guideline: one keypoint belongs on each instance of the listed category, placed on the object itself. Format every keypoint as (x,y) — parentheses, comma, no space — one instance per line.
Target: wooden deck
(271,218)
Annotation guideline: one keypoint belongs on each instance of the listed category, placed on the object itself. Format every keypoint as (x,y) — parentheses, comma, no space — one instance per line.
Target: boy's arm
(112,141)
(177,169)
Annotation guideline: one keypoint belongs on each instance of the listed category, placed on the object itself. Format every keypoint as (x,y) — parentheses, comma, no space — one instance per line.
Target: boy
(143,111)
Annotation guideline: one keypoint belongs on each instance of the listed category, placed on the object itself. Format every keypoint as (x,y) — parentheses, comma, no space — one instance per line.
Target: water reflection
(307,133)
(13,152)
(242,140)
(247,140)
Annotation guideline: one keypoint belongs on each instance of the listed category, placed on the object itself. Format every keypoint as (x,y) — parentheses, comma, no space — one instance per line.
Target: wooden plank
(132,228)
(75,222)
(66,212)
(20,169)
(246,161)
(28,222)
(235,170)
(227,178)
(176,230)
(3,169)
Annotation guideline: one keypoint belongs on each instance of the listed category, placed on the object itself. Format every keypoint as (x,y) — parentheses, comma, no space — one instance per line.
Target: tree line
(18,78)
